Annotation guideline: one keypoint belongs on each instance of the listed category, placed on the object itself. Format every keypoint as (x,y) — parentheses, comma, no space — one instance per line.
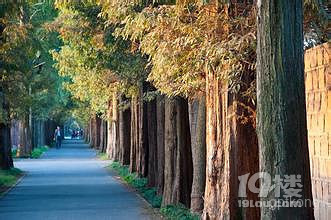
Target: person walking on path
(57,137)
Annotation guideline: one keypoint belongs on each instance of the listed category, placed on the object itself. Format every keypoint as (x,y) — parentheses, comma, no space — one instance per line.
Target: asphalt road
(71,184)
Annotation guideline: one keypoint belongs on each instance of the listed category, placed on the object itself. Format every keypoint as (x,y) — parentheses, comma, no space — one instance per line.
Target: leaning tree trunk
(6,161)
(281,109)
(197,111)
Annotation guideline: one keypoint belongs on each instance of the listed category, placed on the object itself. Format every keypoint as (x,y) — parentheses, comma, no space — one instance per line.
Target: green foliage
(178,212)
(95,63)
(14,153)
(27,76)
(140,184)
(37,152)
(9,178)
(103,156)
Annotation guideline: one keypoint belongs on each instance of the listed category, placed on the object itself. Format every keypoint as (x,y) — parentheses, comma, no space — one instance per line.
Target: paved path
(70,184)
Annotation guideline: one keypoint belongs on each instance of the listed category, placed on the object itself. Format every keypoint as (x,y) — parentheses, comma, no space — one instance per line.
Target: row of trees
(32,98)
(169,89)
(190,94)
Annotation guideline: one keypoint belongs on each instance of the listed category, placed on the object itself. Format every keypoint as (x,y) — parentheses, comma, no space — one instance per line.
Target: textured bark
(109,131)
(14,132)
(124,135)
(144,144)
(281,109)
(139,135)
(170,153)
(178,156)
(231,145)
(197,110)
(134,134)
(25,142)
(114,122)
(184,169)
(232,151)
(160,143)
(112,136)
(245,146)
(152,143)
(38,133)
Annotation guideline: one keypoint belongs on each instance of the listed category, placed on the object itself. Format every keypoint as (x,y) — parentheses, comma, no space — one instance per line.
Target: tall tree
(281,109)
(6,160)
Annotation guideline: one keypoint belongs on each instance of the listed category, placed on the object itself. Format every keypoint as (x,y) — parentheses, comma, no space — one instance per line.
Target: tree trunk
(178,155)
(6,161)
(144,144)
(114,132)
(25,146)
(281,118)
(14,131)
(101,136)
(124,135)
(134,134)
(198,139)
(170,153)
(97,130)
(91,132)
(139,136)
(109,132)
(152,143)
(104,136)
(160,143)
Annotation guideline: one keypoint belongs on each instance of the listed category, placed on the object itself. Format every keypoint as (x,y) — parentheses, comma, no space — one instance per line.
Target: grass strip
(171,212)
(8,178)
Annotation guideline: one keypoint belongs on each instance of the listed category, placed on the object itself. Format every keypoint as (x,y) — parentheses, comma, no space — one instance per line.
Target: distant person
(57,137)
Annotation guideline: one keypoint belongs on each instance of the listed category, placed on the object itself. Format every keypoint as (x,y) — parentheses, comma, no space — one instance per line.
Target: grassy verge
(178,212)
(140,184)
(171,212)
(8,178)
(102,156)
(36,152)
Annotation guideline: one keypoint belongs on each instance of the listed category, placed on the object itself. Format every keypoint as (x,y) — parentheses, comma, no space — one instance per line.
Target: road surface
(71,184)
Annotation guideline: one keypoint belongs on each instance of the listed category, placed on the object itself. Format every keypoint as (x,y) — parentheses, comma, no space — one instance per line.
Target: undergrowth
(103,156)
(171,212)
(37,152)
(9,178)
(178,212)
(140,184)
